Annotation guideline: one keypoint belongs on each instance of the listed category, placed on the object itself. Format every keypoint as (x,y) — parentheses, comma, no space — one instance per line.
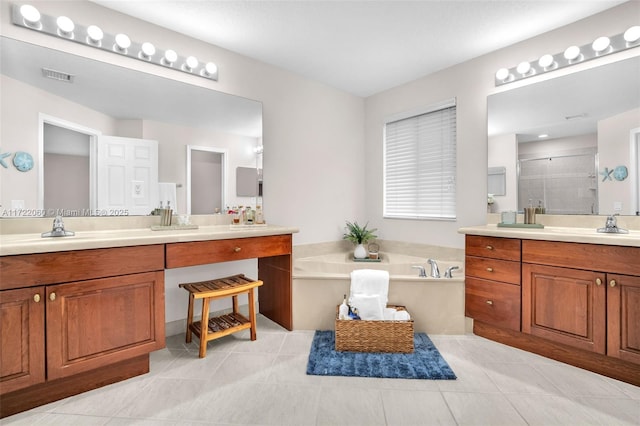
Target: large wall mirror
(570,144)
(53,101)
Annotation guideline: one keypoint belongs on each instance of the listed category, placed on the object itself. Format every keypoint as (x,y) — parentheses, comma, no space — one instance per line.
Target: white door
(127,176)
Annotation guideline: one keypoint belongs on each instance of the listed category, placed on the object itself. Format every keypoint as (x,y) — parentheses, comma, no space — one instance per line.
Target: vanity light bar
(601,46)
(27,16)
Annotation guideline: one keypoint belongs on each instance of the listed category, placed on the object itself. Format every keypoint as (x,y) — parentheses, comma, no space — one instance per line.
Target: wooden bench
(222,325)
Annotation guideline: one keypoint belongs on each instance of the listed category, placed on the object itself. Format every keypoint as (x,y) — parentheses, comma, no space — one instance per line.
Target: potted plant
(359,235)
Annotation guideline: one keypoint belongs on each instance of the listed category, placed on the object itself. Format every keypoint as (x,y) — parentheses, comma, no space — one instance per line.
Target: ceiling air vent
(57,75)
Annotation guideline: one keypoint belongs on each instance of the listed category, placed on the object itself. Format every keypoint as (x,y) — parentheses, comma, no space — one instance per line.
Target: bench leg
(204,327)
(252,314)
(235,304)
(189,318)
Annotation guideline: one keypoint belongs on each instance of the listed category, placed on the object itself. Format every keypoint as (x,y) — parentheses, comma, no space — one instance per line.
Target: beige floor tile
(482,409)
(410,408)
(347,406)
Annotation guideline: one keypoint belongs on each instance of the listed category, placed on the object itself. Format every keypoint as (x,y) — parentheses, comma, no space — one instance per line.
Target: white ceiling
(362,47)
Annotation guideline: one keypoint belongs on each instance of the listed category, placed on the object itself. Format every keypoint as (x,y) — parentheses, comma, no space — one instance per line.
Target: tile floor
(264,383)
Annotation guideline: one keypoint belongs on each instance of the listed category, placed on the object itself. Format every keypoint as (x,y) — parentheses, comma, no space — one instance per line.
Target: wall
(614,147)
(502,151)
(19,132)
(307,125)
(471,82)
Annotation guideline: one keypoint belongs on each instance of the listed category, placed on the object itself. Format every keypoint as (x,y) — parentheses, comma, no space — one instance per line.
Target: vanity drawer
(26,270)
(203,252)
(493,247)
(493,269)
(493,303)
(591,257)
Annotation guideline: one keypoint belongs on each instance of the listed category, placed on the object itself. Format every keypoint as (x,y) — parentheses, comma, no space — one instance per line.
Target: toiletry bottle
(259,215)
(343,311)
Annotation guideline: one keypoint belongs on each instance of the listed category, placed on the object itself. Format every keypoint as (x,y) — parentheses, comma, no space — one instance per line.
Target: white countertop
(556,233)
(11,244)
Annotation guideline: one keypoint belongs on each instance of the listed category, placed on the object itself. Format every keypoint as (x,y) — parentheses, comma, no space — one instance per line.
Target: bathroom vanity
(570,295)
(82,312)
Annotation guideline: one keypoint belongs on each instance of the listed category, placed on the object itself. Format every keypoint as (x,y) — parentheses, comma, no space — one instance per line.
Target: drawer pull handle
(237,249)
(36,298)
(489,247)
(489,302)
(489,269)
(52,297)
(598,281)
(612,283)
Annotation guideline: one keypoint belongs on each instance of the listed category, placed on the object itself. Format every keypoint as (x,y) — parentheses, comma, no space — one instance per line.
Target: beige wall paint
(323,150)
(614,147)
(312,133)
(471,83)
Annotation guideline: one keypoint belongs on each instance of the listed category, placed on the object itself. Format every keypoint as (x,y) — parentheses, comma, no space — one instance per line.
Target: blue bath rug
(424,363)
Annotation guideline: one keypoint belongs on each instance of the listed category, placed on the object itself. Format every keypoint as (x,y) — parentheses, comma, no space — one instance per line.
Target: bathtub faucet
(421,271)
(448,274)
(435,272)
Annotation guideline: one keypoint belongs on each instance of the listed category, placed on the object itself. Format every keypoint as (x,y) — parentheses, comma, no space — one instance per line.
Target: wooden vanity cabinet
(623,317)
(22,350)
(73,321)
(583,295)
(492,280)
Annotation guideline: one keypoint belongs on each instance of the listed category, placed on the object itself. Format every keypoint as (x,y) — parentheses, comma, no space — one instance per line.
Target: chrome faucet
(447,273)
(435,272)
(58,229)
(611,226)
(421,271)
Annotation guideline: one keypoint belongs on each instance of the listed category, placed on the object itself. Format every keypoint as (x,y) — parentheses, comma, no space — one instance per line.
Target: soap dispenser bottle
(343,311)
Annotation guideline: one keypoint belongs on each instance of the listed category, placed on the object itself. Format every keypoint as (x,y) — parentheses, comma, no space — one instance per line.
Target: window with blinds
(420,164)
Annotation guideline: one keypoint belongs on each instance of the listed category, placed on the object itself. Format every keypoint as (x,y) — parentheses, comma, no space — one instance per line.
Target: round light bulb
(572,53)
(523,68)
(502,74)
(148,49)
(170,56)
(191,62)
(30,14)
(123,41)
(211,68)
(632,34)
(545,61)
(601,44)
(94,33)
(65,25)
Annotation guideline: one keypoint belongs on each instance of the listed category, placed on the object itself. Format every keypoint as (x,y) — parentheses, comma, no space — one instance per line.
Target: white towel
(401,316)
(368,306)
(167,192)
(371,282)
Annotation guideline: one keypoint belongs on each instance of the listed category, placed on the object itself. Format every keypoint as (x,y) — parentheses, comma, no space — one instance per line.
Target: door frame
(93,150)
(223,179)
(634,173)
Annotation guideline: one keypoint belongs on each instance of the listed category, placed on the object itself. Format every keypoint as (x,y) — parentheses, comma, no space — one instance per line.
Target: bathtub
(435,304)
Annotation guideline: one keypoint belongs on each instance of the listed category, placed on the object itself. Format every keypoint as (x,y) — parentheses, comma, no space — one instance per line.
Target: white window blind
(420,165)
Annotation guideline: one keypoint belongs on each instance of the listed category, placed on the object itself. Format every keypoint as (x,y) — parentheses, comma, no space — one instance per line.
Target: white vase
(360,252)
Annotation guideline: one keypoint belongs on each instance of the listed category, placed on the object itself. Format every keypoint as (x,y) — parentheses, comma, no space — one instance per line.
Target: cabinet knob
(489,247)
(598,281)
(489,269)
(489,302)
(612,283)
(36,298)
(52,297)
(237,249)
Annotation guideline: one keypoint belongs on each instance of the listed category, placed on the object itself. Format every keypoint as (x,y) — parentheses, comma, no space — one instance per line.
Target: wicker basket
(374,336)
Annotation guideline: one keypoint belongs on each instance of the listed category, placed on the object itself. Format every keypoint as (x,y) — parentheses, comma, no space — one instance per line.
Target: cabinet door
(22,334)
(94,323)
(623,317)
(565,305)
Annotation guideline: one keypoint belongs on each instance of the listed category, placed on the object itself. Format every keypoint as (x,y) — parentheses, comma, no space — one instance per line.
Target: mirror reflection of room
(559,141)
